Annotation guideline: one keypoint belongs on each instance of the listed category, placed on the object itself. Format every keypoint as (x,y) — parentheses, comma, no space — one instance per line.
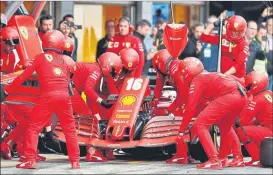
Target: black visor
(12,42)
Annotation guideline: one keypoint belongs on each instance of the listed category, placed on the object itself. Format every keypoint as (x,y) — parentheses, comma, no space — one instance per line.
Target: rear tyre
(266,152)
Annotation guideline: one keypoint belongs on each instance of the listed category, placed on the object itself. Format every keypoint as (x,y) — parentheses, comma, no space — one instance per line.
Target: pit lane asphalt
(58,164)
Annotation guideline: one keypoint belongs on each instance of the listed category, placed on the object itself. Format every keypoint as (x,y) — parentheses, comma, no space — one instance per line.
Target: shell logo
(128,100)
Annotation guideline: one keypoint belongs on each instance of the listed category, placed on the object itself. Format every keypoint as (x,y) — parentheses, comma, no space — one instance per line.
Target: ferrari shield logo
(127,44)
(49,57)
(128,100)
(24,32)
(57,71)
(268,97)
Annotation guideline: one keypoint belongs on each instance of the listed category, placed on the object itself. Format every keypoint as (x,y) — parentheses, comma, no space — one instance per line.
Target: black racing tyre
(197,151)
(82,149)
(266,152)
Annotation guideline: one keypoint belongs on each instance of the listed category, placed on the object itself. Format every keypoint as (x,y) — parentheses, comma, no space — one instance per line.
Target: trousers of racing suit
(223,112)
(53,77)
(253,132)
(257,135)
(57,102)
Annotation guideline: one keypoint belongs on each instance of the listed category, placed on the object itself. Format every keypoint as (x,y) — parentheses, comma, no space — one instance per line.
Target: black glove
(237,124)
(49,136)
(105,104)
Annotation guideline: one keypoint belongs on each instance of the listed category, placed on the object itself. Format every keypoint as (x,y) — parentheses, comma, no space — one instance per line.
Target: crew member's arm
(139,49)
(209,39)
(111,85)
(22,77)
(181,93)
(195,92)
(240,59)
(90,86)
(248,113)
(160,82)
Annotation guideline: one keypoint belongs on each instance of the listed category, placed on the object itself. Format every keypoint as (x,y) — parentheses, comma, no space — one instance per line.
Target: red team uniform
(226,101)
(53,77)
(256,119)
(119,42)
(235,49)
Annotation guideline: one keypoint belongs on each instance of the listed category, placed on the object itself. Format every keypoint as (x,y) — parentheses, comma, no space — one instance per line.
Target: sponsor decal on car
(123,116)
(128,100)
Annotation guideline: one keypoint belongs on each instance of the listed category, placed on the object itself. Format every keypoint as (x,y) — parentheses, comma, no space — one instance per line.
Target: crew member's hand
(223,15)
(267,12)
(50,136)
(105,104)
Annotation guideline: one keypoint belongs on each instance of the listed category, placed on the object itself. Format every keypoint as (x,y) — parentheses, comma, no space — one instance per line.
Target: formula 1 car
(135,126)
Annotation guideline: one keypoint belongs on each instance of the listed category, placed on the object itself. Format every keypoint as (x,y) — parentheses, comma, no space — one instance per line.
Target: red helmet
(68,46)
(256,82)
(10,36)
(236,28)
(53,40)
(70,63)
(129,58)
(161,61)
(4,20)
(189,68)
(110,64)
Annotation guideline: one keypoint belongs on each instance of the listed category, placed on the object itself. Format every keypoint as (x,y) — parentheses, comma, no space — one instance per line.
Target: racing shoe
(253,163)
(75,165)
(95,156)
(238,161)
(6,151)
(177,159)
(224,161)
(212,163)
(27,164)
(109,154)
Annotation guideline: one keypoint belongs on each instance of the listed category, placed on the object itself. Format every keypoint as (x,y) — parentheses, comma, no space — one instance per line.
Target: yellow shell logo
(24,32)
(130,64)
(67,45)
(128,100)
(57,71)
(236,25)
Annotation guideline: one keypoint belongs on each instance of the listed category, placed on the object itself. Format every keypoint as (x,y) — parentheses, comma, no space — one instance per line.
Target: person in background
(103,43)
(65,28)
(269,51)
(261,35)
(143,28)
(209,52)
(70,18)
(46,25)
(151,48)
(197,30)
(255,47)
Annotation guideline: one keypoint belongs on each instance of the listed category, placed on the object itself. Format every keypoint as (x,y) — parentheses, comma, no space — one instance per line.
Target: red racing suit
(7,61)
(181,90)
(256,120)
(53,77)
(118,42)
(225,104)
(233,55)
(88,79)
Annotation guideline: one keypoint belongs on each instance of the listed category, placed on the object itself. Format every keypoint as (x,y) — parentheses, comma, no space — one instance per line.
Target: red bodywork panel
(126,108)
(30,44)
